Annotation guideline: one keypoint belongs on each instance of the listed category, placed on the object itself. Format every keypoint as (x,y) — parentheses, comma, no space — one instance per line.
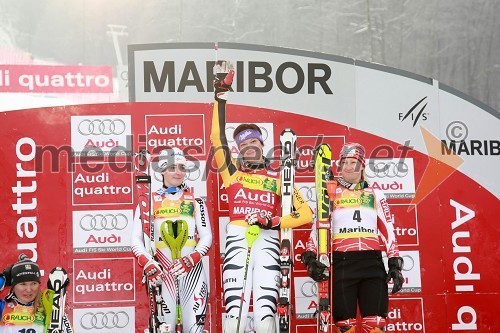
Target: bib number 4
(357,215)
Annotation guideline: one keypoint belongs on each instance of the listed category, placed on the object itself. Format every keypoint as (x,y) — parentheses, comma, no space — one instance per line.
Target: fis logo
(413,115)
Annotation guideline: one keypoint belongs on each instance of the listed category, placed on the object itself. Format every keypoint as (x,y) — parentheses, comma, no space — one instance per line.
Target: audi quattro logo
(104,320)
(99,222)
(101,127)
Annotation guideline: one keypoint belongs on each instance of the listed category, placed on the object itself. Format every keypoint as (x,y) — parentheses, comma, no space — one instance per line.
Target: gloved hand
(2,281)
(224,74)
(185,264)
(395,266)
(315,269)
(152,269)
(7,277)
(263,221)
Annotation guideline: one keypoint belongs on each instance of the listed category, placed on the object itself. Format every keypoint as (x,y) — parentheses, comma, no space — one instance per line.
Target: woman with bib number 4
(361,225)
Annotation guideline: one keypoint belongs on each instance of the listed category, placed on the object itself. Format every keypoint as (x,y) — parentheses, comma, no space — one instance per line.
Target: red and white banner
(55,79)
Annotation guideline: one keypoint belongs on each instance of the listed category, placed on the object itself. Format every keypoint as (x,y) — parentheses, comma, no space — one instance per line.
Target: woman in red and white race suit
(175,208)
(253,192)
(361,226)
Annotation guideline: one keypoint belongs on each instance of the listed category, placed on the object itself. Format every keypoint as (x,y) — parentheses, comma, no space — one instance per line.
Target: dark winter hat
(24,270)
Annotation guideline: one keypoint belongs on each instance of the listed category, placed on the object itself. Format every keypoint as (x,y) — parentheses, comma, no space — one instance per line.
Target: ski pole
(251,235)
(216,48)
(178,309)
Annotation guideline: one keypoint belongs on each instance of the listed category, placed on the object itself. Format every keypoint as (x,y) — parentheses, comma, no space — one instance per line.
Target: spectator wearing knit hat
(22,310)
(24,270)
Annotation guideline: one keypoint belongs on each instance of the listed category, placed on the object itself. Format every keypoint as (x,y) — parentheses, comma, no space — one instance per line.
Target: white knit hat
(171,156)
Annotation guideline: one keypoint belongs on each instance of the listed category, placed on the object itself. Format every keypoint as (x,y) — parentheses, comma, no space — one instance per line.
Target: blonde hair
(37,303)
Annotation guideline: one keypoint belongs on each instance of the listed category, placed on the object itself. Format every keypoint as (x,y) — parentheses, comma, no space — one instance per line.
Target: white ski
(288,141)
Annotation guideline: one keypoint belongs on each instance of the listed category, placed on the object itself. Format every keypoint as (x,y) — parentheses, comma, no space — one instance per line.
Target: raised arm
(225,163)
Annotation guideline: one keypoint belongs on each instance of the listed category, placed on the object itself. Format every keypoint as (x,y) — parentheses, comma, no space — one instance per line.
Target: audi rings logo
(308,192)
(309,289)
(386,169)
(194,173)
(409,263)
(101,127)
(100,222)
(101,320)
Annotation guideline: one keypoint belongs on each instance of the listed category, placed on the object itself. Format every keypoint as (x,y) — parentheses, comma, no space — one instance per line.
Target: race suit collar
(352,186)
(172,189)
(255,166)
(12,297)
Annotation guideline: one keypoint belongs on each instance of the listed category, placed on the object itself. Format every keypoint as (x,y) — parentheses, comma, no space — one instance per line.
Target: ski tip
(58,278)
(58,269)
(288,130)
